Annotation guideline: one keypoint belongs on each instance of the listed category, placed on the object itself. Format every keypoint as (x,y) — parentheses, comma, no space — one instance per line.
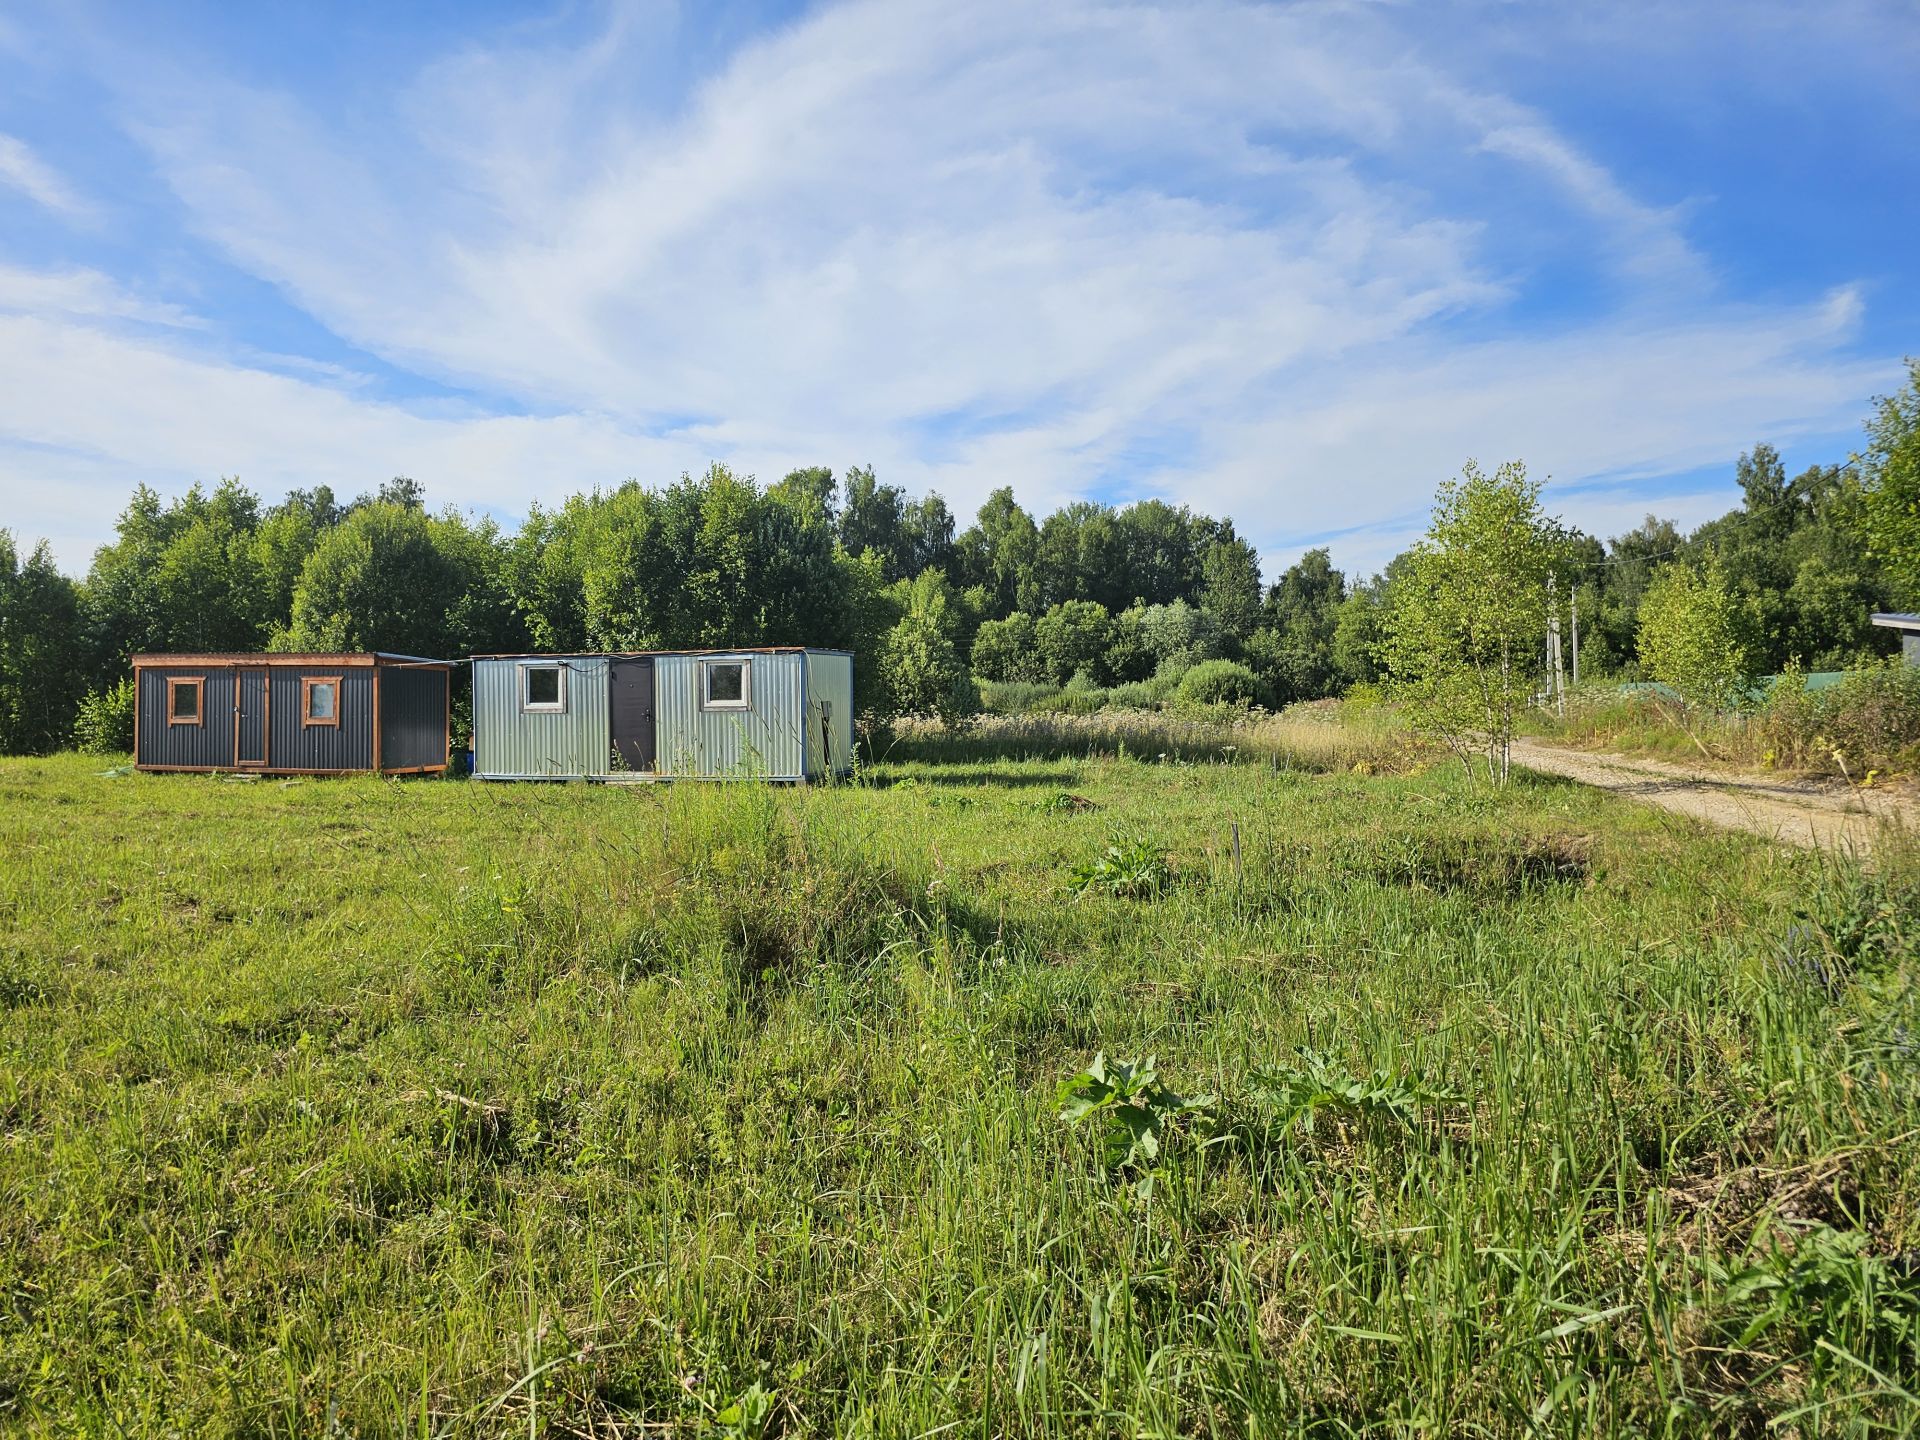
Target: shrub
(1140,695)
(104,725)
(1217,682)
(1870,719)
(1789,718)
(1006,650)
(1072,636)
(1874,713)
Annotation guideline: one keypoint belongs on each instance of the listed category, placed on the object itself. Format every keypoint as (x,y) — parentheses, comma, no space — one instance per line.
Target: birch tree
(1467,618)
(1690,638)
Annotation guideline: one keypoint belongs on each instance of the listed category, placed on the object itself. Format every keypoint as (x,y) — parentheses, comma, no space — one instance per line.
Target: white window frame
(531,707)
(745,702)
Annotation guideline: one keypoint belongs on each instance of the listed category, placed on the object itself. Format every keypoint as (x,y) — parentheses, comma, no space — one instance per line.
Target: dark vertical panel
(250,725)
(413,717)
(208,745)
(630,699)
(296,745)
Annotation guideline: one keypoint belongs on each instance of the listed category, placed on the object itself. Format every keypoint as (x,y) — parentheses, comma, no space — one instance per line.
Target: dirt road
(1798,812)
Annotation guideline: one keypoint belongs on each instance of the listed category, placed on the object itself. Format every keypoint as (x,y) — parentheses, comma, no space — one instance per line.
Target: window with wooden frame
(186,699)
(319,699)
(543,688)
(726,684)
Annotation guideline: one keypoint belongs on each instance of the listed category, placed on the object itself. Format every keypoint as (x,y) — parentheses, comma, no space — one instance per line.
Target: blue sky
(1290,263)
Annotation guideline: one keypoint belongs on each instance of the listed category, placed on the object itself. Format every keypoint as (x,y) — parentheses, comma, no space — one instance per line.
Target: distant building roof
(1898,621)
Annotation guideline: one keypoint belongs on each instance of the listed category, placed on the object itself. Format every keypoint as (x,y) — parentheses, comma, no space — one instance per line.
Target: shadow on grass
(981,774)
(1025,748)
(1523,778)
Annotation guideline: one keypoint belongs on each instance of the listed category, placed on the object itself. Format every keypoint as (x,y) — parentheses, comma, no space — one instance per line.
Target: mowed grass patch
(456,1109)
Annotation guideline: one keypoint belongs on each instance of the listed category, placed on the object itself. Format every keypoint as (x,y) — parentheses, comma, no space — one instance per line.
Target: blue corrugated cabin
(326,714)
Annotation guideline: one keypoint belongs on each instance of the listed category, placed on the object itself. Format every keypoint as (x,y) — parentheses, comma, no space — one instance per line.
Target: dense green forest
(1092,595)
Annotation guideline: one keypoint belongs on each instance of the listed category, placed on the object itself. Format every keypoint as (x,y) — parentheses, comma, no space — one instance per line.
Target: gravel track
(1809,813)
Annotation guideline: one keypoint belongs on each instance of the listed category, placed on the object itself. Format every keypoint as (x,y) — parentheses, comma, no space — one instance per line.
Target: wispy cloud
(78,293)
(1253,257)
(27,173)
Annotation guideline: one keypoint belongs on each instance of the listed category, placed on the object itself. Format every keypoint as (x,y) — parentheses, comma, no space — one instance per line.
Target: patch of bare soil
(1809,813)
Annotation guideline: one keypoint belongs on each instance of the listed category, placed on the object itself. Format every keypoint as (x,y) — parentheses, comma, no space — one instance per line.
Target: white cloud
(26,172)
(1217,251)
(81,293)
(86,413)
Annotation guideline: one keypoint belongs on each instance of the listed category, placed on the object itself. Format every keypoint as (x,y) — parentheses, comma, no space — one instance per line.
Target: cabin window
(186,699)
(724,684)
(543,687)
(320,700)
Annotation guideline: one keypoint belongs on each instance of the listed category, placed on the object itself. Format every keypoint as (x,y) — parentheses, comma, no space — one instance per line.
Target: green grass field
(437,1108)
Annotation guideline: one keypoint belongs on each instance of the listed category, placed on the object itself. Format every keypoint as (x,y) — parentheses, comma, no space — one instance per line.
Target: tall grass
(1869,721)
(451,1109)
(1319,737)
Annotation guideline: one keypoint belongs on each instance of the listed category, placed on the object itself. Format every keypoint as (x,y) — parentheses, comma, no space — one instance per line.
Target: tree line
(1091,595)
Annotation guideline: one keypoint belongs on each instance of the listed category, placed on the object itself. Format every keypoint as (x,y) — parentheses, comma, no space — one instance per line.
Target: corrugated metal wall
(765,742)
(295,745)
(508,744)
(829,679)
(210,743)
(413,717)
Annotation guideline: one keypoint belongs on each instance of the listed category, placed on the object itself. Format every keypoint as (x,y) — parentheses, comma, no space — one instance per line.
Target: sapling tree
(1467,617)
(1690,637)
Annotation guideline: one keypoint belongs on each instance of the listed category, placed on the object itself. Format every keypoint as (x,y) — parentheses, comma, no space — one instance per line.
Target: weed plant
(452,1109)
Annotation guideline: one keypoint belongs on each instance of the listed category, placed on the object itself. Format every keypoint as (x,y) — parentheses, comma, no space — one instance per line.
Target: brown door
(250,718)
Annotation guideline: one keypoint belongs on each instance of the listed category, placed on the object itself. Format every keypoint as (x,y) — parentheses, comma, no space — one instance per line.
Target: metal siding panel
(763,742)
(830,679)
(208,745)
(509,744)
(413,717)
(299,746)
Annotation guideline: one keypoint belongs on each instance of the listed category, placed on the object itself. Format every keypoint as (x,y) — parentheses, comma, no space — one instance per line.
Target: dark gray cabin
(292,714)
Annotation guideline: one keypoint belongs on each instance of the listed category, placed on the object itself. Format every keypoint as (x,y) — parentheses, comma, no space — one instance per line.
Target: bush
(1006,651)
(1140,695)
(1072,636)
(1217,682)
(1874,713)
(1869,720)
(104,725)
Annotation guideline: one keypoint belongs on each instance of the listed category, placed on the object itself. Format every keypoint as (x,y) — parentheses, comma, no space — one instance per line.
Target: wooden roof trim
(311,658)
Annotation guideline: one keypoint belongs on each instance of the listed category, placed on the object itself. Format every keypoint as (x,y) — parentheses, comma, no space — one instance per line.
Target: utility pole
(1556,660)
(1576,637)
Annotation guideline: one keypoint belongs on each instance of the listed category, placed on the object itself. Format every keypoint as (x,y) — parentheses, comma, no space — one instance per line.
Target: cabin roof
(304,658)
(640,654)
